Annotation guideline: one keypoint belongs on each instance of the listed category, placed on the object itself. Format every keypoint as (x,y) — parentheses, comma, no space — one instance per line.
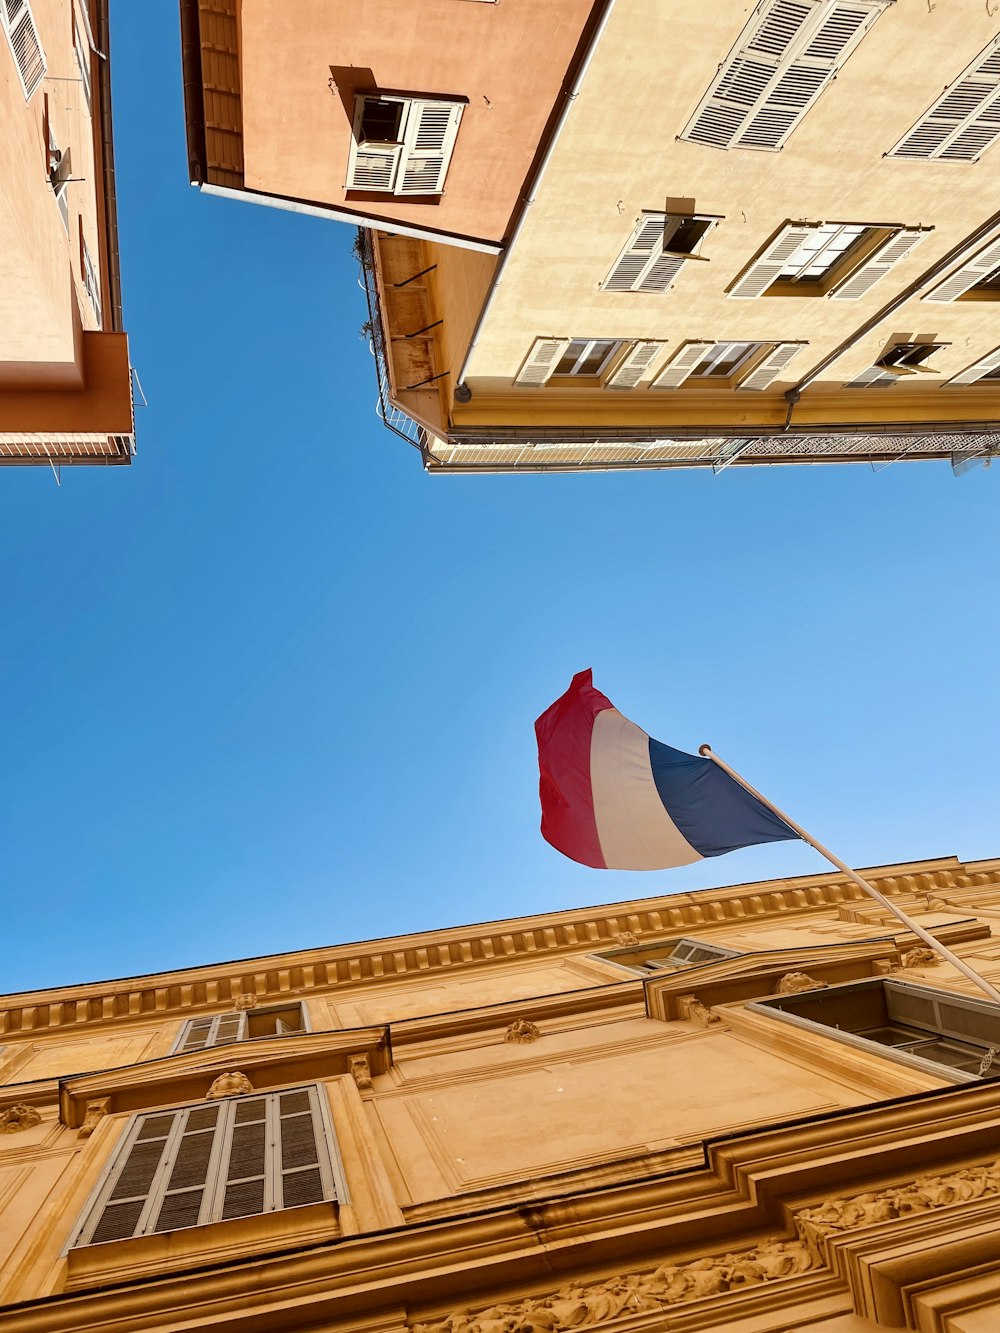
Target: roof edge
(194,96)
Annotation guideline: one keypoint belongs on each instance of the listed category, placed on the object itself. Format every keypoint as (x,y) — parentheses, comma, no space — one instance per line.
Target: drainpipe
(462,391)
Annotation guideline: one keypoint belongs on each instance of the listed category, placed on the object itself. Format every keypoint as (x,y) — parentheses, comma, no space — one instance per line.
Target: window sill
(192,1247)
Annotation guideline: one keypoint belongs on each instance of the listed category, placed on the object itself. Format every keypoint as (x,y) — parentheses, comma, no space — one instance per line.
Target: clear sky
(273,687)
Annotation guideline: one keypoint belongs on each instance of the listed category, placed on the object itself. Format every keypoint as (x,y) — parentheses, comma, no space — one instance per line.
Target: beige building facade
(750,1109)
(651,233)
(65,380)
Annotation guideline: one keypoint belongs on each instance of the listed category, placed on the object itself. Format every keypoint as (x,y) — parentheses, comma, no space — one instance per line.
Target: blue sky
(273,687)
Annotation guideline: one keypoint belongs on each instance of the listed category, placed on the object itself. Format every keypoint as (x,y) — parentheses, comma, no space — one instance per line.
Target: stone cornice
(459,949)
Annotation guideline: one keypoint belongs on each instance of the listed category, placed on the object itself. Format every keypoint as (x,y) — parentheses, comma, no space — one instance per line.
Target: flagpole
(915,927)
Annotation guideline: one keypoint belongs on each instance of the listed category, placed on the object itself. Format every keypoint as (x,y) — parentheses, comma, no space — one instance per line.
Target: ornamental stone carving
(96,1111)
(793,983)
(522,1030)
(229,1085)
(361,1072)
(691,1007)
(626,937)
(18,1117)
(896,1201)
(245,1001)
(920,957)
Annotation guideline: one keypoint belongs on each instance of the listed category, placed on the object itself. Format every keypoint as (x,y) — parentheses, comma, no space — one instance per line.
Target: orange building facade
(749,1110)
(65,379)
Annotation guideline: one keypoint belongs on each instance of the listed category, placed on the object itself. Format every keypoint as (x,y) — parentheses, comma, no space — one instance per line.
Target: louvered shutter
(197,1034)
(875,377)
(431,128)
(764,374)
(26,44)
(127,1196)
(374,167)
(892,251)
(300,1149)
(784,58)
(183,1201)
(643,266)
(766,269)
(977,269)
(965,120)
(981,368)
(229,1027)
(680,367)
(243,1186)
(213,1030)
(542,360)
(630,370)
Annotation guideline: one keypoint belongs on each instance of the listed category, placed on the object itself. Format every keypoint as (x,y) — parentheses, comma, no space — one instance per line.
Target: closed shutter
(783,60)
(183,1197)
(892,251)
(981,368)
(949,1015)
(629,371)
(965,120)
(243,1172)
(680,367)
(212,1030)
(977,269)
(643,266)
(764,374)
(25,42)
(766,269)
(196,1035)
(300,1156)
(431,128)
(127,1195)
(541,361)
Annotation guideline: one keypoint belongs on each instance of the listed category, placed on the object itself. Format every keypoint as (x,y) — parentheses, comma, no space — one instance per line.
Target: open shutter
(680,367)
(301,1165)
(431,128)
(630,370)
(875,377)
(965,120)
(25,42)
(974,270)
(542,360)
(643,266)
(894,249)
(981,368)
(767,267)
(373,166)
(764,374)
(783,60)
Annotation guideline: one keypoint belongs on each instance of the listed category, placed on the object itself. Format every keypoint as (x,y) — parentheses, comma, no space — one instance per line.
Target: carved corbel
(234,1084)
(689,1006)
(97,1109)
(19,1117)
(361,1072)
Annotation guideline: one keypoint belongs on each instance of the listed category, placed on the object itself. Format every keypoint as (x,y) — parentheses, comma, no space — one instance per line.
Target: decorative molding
(245,1001)
(229,1085)
(691,1007)
(18,1117)
(627,937)
(794,983)
(919,957)
(522,1030)
(361,1072)
(96,1111)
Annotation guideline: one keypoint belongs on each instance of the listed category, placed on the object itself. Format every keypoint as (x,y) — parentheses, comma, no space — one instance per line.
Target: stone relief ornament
(919,957)
(96,1111)
(691,1007)
(229,1085)
(361,1072)
(245,1001)
(18,1117)
(522,1030)
(793,983)
(626,937)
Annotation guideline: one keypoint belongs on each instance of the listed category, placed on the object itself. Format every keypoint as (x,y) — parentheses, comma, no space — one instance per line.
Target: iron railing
(398,421)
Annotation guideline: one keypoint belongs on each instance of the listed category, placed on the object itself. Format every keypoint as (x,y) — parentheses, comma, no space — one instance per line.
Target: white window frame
(764,275)
(977,267)
(91,279)
(647,264)
(717,354)
(614,347)
(81,45)
(330,1167)
(944,119)
(986,368)
(18,22)
(407,150)
(242,1016)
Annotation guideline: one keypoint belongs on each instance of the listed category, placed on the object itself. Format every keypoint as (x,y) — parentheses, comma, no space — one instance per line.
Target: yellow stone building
(638,233)
(747,1110)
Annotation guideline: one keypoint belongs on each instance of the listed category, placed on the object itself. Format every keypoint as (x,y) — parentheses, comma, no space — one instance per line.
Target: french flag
(615,799)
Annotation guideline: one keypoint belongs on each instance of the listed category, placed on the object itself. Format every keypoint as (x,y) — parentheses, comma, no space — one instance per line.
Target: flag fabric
(615,799)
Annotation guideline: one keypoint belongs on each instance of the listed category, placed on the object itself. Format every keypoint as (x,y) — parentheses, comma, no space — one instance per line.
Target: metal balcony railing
(398,421)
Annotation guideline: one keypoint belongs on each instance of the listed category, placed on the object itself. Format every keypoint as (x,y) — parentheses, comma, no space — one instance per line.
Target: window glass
(585,357)
(723,359)
(821,249)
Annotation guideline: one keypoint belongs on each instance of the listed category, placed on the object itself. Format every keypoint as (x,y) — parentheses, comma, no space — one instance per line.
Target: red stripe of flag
(564,734)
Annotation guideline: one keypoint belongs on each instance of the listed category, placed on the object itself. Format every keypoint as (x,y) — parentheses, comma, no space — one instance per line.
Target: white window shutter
(373,167)
(541,361)
(767,267)
(981,368)
(197,1034)
(766,372)
(965,120)
(894,249)
(431,129)
(781,63)
(26,43)
(642,266)
(874,376)
(631,369)
(974,270)
(676,371)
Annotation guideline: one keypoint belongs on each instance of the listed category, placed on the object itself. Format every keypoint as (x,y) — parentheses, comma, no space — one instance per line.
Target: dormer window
(668,955)
(402,145)
(241,1025)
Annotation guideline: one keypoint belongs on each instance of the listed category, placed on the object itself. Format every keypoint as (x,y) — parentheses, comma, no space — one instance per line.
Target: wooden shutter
(981,368)
(680,367)
(183,1195)
(875,377)
(197,1034)
(541,361)
(431,129)
(767,371)
(212,1030)
(643,266)
(371,166)
(766,269)
(782,62)
(974,270)
(25,42)
(947,1015)
(127,1194)
(301,1156)
(965,120)
(243,1189)
(637,360)
(894,249)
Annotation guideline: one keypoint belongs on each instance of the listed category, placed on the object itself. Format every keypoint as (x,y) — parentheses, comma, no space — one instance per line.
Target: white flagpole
(863,884)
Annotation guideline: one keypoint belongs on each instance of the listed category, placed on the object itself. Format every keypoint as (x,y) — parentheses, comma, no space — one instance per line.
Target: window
(965,120)
(586,358)
(59,174)
(82,47)
(977,279)
(241,1025)
(25,43)
(916,1024)
(659,247)
(401,145)
(842,260)
(238,1157)
(739,365)
(600,362)
(900,360)
(986,371)
(91,281)
(669,955)
(784,58)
